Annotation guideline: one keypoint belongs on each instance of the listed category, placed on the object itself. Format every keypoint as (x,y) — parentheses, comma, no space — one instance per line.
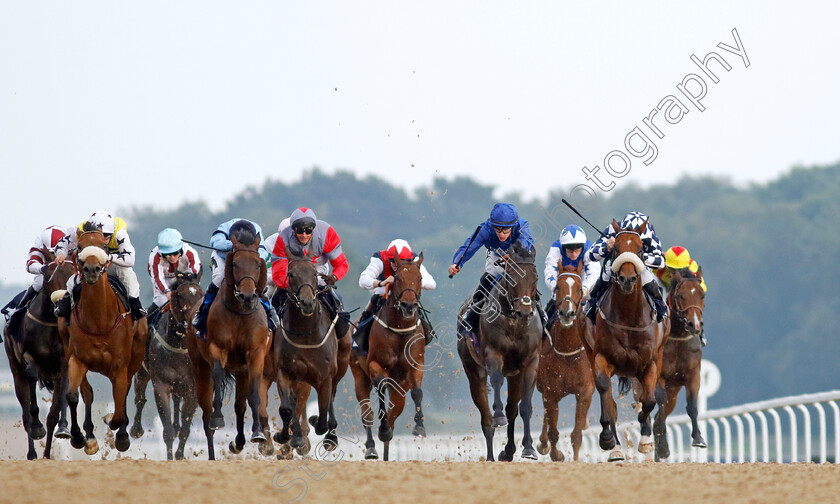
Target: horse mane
(89,226)
(520,254)
(244,232)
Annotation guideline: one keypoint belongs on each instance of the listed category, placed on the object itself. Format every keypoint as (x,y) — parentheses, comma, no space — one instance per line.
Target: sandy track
(128,481)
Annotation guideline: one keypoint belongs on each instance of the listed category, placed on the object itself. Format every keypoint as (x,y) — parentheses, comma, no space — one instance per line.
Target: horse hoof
(107,419)
(296,442)
(179,455)
(266,449)
(646,445)
(122,441)
(615,456)
(137,431)
(62,432)
(77,442)
(370,454)
(258,437)
(91,446)
(216,423)
(234,449)
(499,421)
(543,448)
(557,456)
(37,431)
(330,441)
(313,420)
(385,434)
(279,438)
(699,443)
(606,441)
(419,431)
(505,456)
(304,450)
(529,453)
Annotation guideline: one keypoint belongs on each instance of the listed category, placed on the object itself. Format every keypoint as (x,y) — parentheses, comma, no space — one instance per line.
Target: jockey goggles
(170,254)
(307,228)
(573,246)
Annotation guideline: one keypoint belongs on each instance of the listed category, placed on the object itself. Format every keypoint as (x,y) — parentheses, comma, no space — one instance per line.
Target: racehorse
(307,353)
(237,340)
(395,359)
(169,366)
(627,342)
(39,356)
(507,345)
(683,353)
(101,337)
(564,367)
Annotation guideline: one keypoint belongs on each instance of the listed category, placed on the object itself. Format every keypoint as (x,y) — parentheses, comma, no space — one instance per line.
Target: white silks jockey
(121,256)
(651,258)
(376,278)
(569,250)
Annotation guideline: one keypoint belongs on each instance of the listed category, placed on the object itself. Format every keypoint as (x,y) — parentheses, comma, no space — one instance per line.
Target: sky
(109,105)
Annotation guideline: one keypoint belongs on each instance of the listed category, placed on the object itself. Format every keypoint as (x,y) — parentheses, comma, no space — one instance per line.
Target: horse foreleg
(362,386)
(321,423)
(91,446)
(36,428)
(23,391)
(608,438)
(691,391)
(119,421)
(397,404)
(141,380)
(75,372)
(528,379)
(267,447)
(54,414)
(496,381)
(582,402)
(650,389)
(287,411)
(163,393)
(550,435)
(239,407)
(660,420)
(300,392)
(188,406)
(204,397)
(217,420)
(511,410)
(477,377)
(255,402)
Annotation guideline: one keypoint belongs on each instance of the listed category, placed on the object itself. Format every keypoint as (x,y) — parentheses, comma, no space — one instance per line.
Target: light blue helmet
(170,241)
(504,215)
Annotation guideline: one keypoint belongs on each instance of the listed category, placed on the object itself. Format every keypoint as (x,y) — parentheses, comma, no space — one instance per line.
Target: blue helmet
(169,241)
(504,215)
(572,235)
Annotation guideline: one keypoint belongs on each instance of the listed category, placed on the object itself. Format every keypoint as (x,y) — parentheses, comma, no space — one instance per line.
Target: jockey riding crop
(203,246)
(461,261)
(579,215)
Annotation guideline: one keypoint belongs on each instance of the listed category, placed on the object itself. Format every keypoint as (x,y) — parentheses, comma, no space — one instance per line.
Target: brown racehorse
(102,338)
(508,345)
(564,366)
(307,353)
(39,356)
(169,366)
(683,352)
(628,342)
(237,340)
(396,357)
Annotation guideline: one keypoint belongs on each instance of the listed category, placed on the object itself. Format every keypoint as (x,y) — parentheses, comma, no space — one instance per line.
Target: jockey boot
(469,320)
(27,298)
(332,301)
(550,314)
(15,303)
(702,336)
(428,330)
(136,307)
(200,320)
(271,315)
(63,308)
(361,335)
(591,307)
(153,314)
(655,294)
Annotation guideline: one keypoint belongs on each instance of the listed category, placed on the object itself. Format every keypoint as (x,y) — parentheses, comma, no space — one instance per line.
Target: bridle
(183,324)
(234,283)
(509,281)
(567,297)
(398,296)
(681,313)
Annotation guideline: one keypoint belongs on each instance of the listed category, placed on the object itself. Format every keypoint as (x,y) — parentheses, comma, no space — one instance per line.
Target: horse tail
(623,386)
(47,384)
(228,383)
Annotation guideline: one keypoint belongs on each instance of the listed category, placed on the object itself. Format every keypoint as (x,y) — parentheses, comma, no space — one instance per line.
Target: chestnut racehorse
(169,366)
(237,340)
(39,356)
(508,345)
(396,357)
(307,354)
(627,342)
(103,338)
(564,367)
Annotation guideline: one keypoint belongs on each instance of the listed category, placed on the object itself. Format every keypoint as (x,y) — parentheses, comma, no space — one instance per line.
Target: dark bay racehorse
(396,357)
(101,338)
(564,367)
(627,342)
(683,353)
(508,345)
(307,354)
(39,356)
(237,340)
(169,365)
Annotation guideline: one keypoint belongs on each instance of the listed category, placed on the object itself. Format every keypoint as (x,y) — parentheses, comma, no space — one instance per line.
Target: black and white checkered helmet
(633,220)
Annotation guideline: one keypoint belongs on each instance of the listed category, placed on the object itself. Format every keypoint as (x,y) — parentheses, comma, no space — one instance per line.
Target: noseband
(525,300)
(682,312)
(568,296)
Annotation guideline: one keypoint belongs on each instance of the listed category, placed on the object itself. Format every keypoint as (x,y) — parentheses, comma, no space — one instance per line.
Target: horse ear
(263,280)
(699,273)
(643,227)
(200,271)
(419,260)
(580,267)
(676,275)
(615,226)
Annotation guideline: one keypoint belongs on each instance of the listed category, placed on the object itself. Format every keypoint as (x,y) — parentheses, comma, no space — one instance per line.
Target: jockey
(170,257)
(122,258)
(36,264)
(377,277)
(221,244)
(307,236)
(652,257)
(571,248)
(678,258)
(497,234)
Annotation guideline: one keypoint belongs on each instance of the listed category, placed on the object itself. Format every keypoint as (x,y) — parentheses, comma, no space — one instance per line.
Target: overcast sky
(105,105)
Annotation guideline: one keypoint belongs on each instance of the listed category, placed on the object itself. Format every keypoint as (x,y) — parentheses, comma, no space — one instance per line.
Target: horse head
(687,299)
(627,254)
(92,258)
(520,280)
(568,292)
(245,270)
(407,284)
(302,276)
(185,298)
(56,275)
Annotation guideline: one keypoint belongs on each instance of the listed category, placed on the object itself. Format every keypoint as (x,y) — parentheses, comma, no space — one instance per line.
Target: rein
(284,332)
(396,330)
(167,346)
(48,324)
(562,354)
